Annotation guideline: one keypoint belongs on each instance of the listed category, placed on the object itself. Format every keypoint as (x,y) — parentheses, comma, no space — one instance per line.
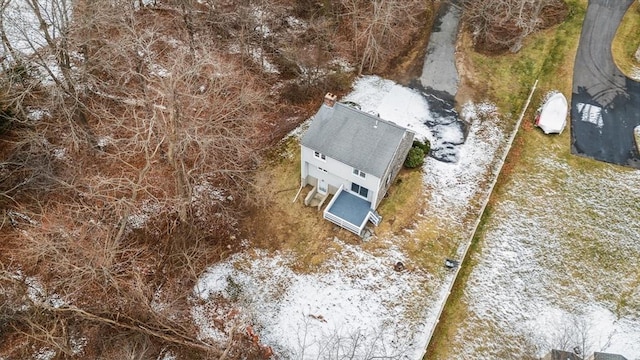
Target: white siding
(337,173)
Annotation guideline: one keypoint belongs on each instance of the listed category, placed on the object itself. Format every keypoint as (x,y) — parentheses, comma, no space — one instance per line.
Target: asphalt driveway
(605,104)
(439,85)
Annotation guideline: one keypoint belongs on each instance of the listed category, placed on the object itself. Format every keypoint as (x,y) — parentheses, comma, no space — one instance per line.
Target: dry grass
(402,203)
(280,224)
(626,41)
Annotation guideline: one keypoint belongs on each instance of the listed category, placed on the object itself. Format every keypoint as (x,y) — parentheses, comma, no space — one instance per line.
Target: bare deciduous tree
(379,27)
(498,25)
(101,214)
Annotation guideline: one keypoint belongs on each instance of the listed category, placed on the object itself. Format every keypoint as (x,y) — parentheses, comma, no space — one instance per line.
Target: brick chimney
(330,100)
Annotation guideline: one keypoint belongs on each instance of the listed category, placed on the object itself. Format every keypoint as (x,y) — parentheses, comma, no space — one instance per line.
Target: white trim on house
(352,151)
(319,155)
(359,173)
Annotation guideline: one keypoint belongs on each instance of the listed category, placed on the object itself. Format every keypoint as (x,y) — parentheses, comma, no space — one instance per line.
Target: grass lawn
(627,41)
(427,217)
(555,231)
(280,224)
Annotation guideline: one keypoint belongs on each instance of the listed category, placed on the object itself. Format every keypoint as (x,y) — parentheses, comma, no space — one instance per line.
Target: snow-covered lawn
(559,265)
(356,301)
(559,260)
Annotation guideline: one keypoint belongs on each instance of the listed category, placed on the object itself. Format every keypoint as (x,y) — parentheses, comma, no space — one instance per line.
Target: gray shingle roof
(353,137)
(561,355)
(607,356)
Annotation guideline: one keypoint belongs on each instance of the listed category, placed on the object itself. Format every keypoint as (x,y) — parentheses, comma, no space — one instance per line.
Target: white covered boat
(553,116)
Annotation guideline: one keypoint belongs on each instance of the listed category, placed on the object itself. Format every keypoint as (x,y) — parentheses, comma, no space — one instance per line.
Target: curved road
(605,104)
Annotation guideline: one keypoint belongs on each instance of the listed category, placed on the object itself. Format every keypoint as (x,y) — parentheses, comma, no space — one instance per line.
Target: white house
(355,156)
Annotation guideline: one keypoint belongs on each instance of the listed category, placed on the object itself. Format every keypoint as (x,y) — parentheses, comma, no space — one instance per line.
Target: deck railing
(334,198)
(374,217)
(342,223)
(338,220)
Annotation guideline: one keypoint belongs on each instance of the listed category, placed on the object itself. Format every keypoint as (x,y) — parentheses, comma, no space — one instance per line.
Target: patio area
(348,211)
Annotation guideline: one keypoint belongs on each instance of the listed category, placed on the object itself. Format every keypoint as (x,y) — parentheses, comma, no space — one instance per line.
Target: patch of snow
(393,102)
(168,355)
(296,23)
(37,293)
(205,191)
(50,71)
(147,210)
(103,142)
(234,49)
(60,153)
(452,186)
(158,70)
(205,322)
(473,112)
(23,29)
(205,195)
(157,303)
(145,3)
(591,114)
(299,131)
(261,16)
(214,281)
(258,56)
(44,354)
(17,217)
(35,290)
(343,65)
(449,134)
(35,114)
(356,296)
(635,73)
(77,344)
(55,301)
(548,264)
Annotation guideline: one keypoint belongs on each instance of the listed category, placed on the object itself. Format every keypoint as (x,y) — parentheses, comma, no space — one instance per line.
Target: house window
(319,156)
(360,190)
(359,173)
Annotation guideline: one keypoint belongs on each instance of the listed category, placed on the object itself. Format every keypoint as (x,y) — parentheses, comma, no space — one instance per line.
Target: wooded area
(130,133)
(503,25)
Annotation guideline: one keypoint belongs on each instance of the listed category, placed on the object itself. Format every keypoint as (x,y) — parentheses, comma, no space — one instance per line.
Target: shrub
(425,146)
(415,158)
